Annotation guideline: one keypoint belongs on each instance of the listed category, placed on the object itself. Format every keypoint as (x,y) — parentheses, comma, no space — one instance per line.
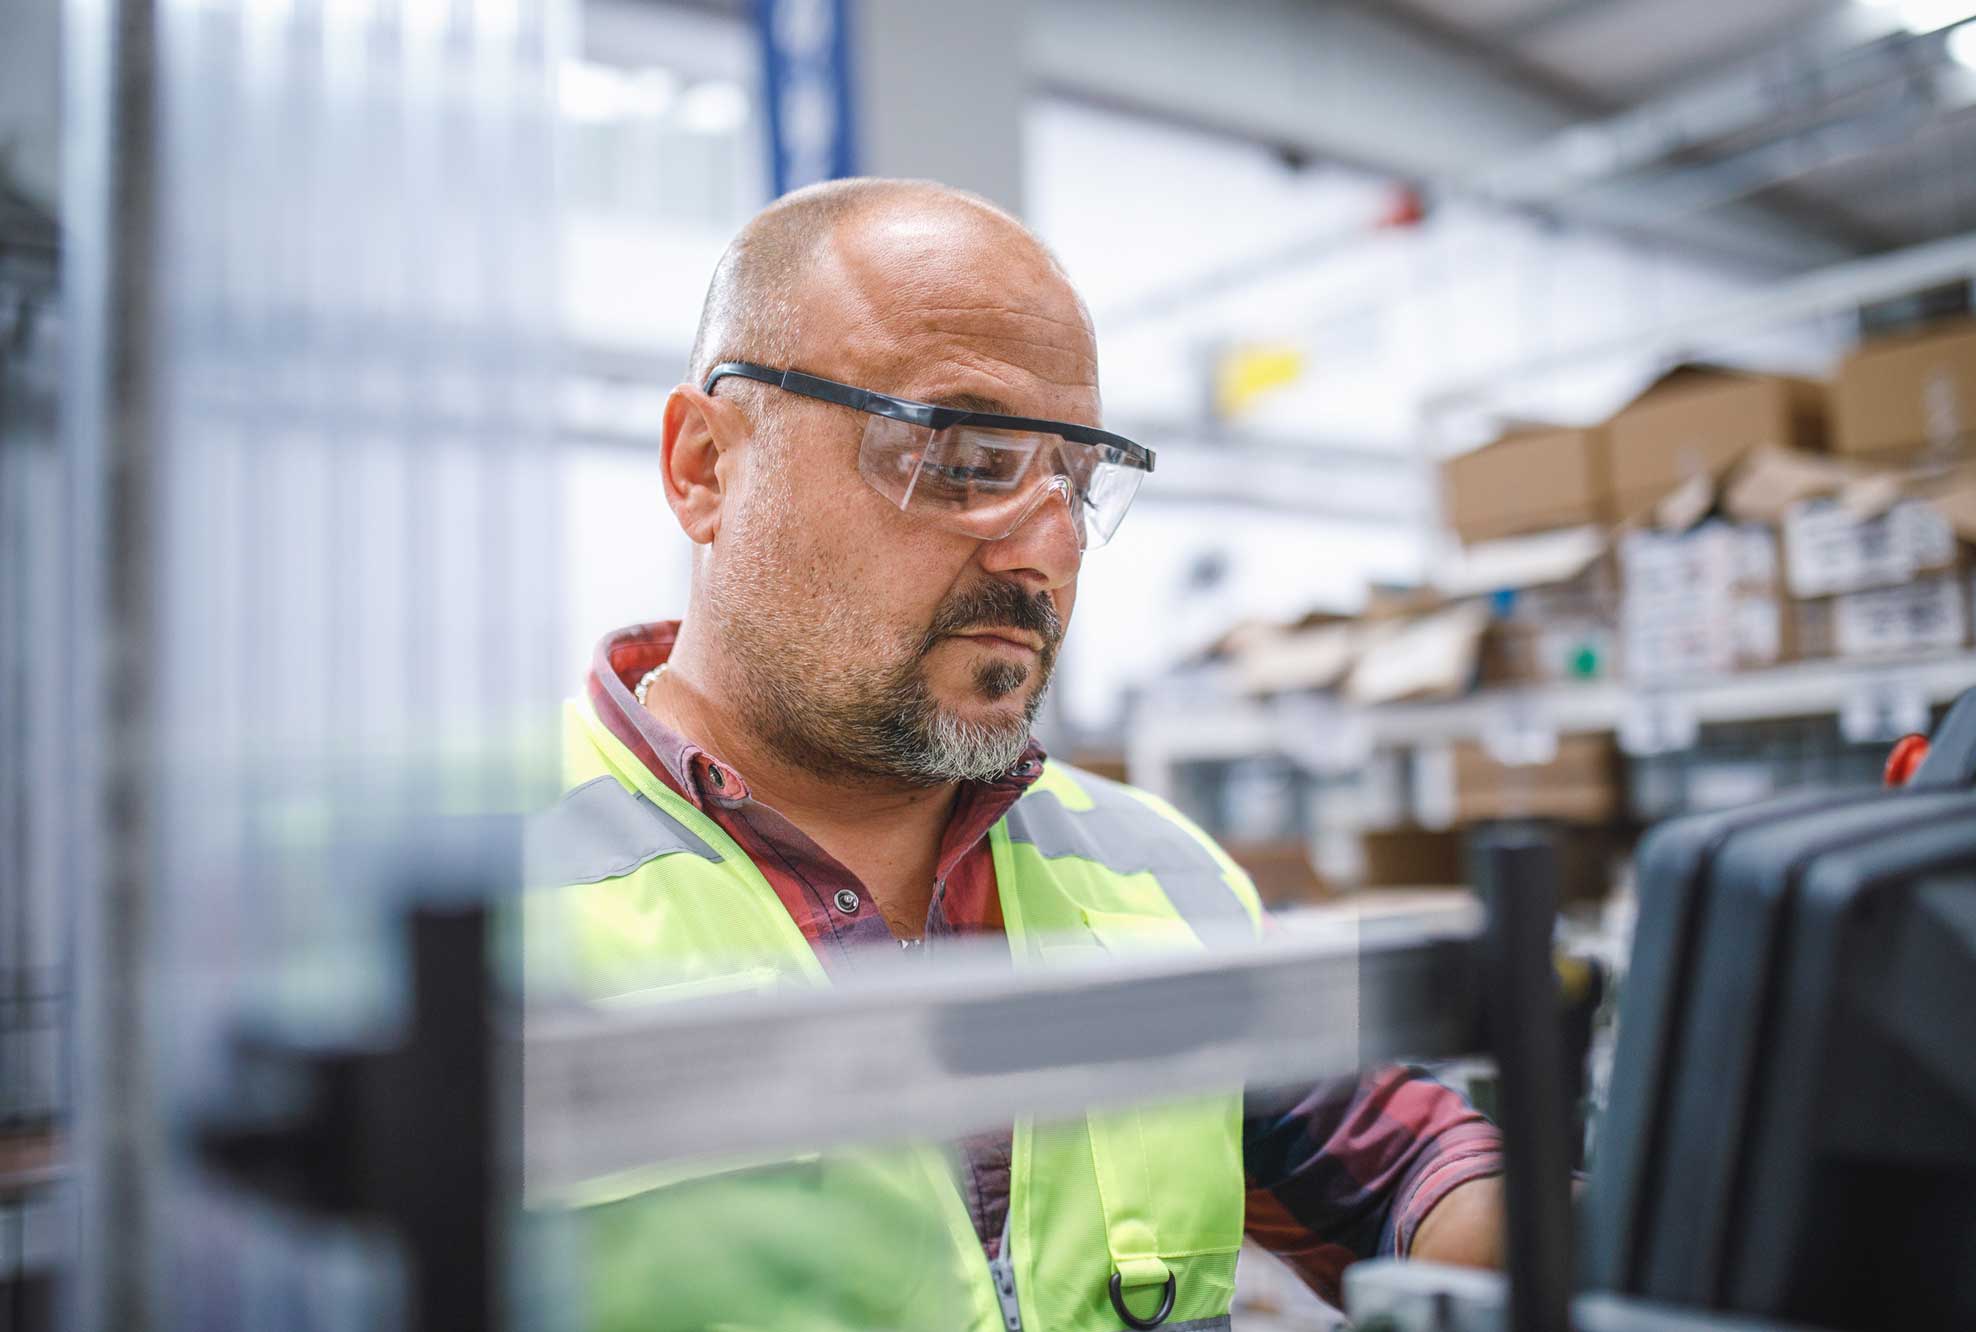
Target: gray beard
(888,727)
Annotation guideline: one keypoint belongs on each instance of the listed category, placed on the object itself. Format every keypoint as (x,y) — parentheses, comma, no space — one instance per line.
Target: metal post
(1516,873)
(110,284)
(452,1208)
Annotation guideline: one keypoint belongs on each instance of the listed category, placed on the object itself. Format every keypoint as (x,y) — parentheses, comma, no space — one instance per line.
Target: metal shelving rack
(1238,727)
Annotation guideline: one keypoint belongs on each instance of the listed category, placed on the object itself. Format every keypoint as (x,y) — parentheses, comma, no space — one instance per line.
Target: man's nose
(1044,545)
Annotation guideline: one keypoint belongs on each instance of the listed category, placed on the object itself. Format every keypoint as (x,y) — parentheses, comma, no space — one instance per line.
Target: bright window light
(717,107)
(1962,46)
(592,94)
(1919,16)
(650,93)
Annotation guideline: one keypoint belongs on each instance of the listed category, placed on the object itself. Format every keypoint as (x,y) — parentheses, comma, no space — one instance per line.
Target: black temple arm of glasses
(829,390)
(919,413)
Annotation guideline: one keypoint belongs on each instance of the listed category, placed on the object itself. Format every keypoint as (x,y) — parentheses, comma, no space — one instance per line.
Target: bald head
(766,304)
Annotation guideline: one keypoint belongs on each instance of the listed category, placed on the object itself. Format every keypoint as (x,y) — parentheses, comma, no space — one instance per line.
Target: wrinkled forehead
(941,304)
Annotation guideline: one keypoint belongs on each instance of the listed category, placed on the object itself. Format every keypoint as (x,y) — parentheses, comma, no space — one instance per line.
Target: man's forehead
(962,309)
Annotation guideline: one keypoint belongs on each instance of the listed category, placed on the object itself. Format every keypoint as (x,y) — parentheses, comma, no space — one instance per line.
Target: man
(889,461)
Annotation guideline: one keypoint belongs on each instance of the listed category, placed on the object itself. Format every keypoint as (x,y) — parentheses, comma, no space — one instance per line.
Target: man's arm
(1387,1164)
(1465,1228)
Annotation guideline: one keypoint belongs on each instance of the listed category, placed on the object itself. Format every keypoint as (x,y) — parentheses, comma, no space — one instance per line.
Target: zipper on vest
(1003,1271)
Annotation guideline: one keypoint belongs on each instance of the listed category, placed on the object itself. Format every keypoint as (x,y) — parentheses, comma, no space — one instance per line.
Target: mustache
(994,604)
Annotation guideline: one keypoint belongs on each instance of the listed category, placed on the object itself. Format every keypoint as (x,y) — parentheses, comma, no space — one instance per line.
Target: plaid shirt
(1346,1173)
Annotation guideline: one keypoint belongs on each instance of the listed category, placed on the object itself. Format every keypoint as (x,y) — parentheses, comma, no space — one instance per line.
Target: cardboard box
(1696,422)
(1911,397)
(1830,548)
(1928,615)
(1431,657)
(1554,599)
(1560,651)
(1533,479)
(1765,486)
(1699,603)
(1550,576)
(1580,784)
(1298,659)
(1281,871)
(1411,857)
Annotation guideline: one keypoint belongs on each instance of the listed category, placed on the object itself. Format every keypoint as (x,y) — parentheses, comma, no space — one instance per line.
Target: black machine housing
(1791,1131)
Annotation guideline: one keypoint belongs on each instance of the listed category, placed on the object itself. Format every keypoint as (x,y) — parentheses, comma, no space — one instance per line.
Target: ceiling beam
(1355,82)
(1524,28)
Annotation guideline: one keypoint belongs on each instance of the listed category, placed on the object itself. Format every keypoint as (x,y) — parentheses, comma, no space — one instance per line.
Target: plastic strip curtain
(356,567)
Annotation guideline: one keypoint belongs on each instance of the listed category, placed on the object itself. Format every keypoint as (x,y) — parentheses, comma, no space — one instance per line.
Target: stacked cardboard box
(1532,479)
(1465,783)
(1552,597)
(1688,600)
(1675,442)
(1410,857)
(1875,584)
(1702,602)
(1908,399)
(1281,871)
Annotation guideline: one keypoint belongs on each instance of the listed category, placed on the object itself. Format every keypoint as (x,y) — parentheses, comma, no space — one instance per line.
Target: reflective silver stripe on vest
(1121,833)
(599,831)
(1219,1323)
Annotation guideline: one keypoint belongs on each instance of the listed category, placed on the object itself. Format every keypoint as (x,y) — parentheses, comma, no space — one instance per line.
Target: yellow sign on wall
(1251,371)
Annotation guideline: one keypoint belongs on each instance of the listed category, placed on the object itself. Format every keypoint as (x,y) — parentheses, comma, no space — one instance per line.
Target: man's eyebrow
(971,402)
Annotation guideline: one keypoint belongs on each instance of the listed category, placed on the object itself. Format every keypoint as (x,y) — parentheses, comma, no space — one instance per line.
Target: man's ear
(697,431)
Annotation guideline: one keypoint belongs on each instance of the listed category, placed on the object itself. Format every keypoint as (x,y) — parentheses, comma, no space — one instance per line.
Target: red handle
(1904,758)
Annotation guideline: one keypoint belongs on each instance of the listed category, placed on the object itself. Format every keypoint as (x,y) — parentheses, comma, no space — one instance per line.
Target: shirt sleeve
(1349,1171)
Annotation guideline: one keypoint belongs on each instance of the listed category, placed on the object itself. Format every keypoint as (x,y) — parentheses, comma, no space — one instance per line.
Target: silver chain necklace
(645,682)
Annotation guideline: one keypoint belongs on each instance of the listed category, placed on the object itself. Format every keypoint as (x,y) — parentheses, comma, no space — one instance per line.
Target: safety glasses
(976,472)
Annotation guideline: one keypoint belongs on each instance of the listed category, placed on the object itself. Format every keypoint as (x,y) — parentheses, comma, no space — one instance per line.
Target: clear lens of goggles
(986,482)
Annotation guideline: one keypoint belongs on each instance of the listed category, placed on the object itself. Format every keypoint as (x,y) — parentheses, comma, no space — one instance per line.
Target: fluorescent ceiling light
(1919,16)
(1962,46)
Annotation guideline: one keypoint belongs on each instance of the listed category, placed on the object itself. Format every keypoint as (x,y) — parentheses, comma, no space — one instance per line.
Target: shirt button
(847,901)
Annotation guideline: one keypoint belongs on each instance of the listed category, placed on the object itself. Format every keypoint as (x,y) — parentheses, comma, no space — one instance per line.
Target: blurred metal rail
(967,1046)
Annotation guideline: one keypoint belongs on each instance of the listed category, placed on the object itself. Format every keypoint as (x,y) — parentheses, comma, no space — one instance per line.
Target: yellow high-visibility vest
(654,902)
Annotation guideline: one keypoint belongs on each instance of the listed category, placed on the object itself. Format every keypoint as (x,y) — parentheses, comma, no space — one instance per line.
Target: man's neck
(888,834)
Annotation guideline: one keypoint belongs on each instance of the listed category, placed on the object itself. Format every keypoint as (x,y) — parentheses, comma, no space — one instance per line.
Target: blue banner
(806,81)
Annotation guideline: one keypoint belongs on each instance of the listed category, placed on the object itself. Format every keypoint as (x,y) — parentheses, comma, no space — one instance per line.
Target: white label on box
(1701,603)
(1517,732)
(1939,404)
(1882,708)
(1727,785)
(1919,617)
(1756,557)
(1759,631)
(1830,549)
(1926,535)
(1658,651)
(1658,723)
(1434,786)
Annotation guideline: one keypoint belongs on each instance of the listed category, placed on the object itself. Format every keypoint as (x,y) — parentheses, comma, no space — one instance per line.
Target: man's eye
(964,474)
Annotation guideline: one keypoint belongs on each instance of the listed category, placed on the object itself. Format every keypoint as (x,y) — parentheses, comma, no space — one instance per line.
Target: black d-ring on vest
(1134,1320)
